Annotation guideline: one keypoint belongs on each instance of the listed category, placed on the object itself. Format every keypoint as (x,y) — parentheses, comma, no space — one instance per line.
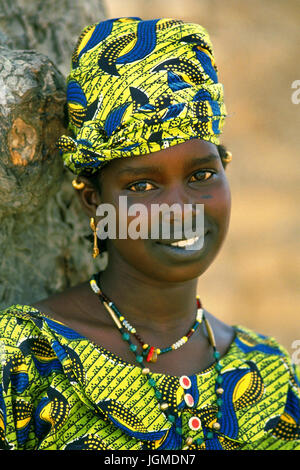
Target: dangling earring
(95,248)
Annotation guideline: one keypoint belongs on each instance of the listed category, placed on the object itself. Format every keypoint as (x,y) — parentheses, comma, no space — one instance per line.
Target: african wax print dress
(60,391)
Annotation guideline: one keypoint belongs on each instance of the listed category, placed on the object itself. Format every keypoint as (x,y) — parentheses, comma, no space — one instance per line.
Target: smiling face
(188,173)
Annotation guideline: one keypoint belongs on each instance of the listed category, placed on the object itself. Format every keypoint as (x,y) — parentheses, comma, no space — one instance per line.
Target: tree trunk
(51,27)
(43,228)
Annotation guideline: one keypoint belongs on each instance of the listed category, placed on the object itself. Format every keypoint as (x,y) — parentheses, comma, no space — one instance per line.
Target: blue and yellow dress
(60,391)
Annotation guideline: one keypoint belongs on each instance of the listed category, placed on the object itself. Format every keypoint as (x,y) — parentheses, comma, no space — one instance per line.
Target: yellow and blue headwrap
(137,87)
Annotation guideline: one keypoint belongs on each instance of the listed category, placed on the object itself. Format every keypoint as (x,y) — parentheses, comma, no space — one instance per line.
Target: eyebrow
(158,169)
(210,158)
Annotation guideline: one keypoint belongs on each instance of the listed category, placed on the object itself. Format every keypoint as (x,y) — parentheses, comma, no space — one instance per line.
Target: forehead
(179,156)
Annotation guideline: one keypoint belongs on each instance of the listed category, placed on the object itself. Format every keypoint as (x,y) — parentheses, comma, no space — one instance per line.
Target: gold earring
(228,157)
(77,185)
(95,248)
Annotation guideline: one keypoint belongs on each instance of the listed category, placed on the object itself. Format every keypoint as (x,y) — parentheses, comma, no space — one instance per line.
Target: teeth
(183,243)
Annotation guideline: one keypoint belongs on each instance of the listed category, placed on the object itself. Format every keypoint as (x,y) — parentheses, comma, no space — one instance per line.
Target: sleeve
(287,428)
(20,382)
(285,432)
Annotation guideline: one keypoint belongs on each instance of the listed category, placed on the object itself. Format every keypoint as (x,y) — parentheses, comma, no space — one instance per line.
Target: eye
(140,186)
(202,175)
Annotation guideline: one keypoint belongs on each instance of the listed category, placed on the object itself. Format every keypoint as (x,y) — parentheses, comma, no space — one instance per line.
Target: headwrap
(137,87)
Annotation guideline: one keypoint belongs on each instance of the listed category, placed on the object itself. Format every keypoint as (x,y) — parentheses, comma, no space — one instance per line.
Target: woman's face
(189,173)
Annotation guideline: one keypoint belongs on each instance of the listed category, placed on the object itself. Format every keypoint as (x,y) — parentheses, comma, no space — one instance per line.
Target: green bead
(210,435)
(219,379)
(158,394)
(179,431)
(219,401)
(219,414)
(133,347)
(216,355)
(139,358)
(171,418)
(126,336)
(218,367)
(152,382)
(199,442)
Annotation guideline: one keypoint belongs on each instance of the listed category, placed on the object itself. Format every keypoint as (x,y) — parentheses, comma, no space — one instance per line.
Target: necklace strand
(151,353)
(194,422)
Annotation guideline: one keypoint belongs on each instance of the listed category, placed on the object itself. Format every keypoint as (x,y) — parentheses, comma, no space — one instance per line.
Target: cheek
(218,207)
(224,199)
(134,219)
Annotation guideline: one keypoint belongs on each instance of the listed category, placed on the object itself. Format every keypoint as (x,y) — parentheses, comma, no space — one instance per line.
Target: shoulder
(75,307)
(249,340)
(27,335)
(26,355)
(19,321)
(271,360)
(262,384)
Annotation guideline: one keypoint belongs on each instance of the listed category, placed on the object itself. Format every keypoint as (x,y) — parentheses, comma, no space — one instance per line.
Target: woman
(130,360)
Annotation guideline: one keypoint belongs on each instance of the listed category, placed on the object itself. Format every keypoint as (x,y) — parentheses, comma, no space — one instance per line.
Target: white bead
(199,314)
(95,287)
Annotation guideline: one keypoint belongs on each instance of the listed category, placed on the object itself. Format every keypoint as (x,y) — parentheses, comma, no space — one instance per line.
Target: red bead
(198,303)
(150,354)
(185,382)
(194,423)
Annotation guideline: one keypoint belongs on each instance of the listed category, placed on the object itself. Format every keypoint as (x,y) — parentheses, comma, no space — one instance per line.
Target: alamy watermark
(162,223)
(2,353)
(296,353)
(296,94)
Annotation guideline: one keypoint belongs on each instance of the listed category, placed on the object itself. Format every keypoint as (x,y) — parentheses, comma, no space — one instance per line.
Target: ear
(225,155)
(89,196)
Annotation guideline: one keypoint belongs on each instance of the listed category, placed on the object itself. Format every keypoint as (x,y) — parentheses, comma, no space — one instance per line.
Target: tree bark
(49,26)
(43,228)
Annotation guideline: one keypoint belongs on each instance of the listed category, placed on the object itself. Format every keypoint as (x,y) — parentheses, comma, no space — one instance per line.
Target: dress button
(185,382)
(189,400)
(194,423)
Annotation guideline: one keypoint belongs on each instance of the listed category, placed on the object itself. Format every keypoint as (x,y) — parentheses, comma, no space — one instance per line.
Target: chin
(165,263)
(159,269)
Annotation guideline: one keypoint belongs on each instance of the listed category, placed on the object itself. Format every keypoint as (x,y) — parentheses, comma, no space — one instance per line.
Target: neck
(149,303)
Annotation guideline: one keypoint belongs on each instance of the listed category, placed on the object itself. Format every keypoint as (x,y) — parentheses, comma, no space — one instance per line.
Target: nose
(181,213)
(185,206)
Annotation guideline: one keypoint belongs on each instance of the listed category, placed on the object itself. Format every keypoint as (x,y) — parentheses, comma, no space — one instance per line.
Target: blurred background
(255,279)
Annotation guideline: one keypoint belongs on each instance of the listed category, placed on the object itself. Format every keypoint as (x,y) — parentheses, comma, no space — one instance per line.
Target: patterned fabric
(61,391)
(137,87)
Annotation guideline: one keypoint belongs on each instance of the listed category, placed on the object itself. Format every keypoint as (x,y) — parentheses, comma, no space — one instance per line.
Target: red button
(194,423)
(189,400)
(185,382)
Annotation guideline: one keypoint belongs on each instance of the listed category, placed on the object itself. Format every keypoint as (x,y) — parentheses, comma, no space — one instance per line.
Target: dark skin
(155,292)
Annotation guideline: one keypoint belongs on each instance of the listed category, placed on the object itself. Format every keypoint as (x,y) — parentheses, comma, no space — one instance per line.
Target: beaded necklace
(151,353)
(185,382)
